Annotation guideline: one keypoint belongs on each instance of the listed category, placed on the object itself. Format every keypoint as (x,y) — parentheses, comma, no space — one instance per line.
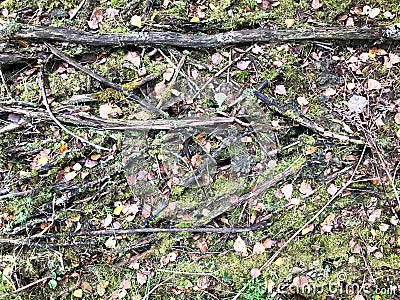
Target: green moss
(13,5)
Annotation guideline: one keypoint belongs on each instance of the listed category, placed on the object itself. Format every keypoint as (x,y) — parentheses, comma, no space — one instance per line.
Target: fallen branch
(52,34)
(85,119)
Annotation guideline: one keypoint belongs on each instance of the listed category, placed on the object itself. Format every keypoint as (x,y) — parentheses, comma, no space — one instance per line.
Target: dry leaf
(195,19)
(141,278)
(240,246)
(302,101)
(329,92)
(289,22)
(109,111)
(107,221)
(133,57)
(397,118)
(111,13)
(373,84)
(216,58)
(287,190)
(279,261)
(111,243)
(125,284)
(305,188)
(332,189)
(280,90)
(95,19)
(63,148)
(315,4)
(242,64)
(307,229)
(374,215)
(268,243)
(357,103)
(311,150)
(168,74)
(136,21)
(78,293)
(258,248)
(118,210)
(69,176)
(255,273)
(350,22)
(383,227)
(374,12)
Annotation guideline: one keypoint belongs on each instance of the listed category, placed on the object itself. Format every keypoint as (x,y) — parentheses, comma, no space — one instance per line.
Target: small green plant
(53,281)
(256,290)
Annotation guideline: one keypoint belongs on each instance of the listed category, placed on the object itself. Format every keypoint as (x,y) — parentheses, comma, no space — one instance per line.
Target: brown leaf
(258,248)
(289,22)
(111,13)
(168,74)
(374,215)
(141,278)
(95,19)
(125,284)
(397,118)
(332,189)
(268,243)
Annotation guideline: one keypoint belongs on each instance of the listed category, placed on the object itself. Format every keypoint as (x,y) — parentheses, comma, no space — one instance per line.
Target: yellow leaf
(78,293)
(43,160)
(311,150)
(136,21)
(279,261)
(289,22)
(195,19)
(63,148)
(118,209)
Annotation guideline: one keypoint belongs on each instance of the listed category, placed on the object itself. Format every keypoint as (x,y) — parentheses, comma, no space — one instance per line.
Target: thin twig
(46,104)
(31,284)
(76,10)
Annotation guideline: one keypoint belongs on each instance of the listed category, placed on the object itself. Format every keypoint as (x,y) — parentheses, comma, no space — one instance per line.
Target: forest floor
(250,171)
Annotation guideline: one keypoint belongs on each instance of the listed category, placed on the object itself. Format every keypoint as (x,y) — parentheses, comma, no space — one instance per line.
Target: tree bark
(52,34)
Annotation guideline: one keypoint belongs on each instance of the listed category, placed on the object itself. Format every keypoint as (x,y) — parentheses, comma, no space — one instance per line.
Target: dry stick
(45,33)
(75,12)
(115,124)
(104,80)
(30,285)
(221,71)
(157,230)
(46,104)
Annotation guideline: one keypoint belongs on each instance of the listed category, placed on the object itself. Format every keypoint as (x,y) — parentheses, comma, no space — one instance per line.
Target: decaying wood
(49,34)
(83,119)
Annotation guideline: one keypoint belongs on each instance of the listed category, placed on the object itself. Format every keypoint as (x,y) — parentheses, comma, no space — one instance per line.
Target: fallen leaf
(95,19)
(315,4)
(311,150)
(373,84)
(268,243)
(240,246)
(258,248)
(125,284)
(111,13)
(352,259)
(133,57)
(376,51)
(280,90)
(195,19)
(289,22)
(78,293)
(279,261)
(350,22)
(203,282)
(63,148)
(357,103)
(86,286)
(307,229)
(168,74)
(329,92)
(374,215)
(107,221)
(118,210)
(101,287)
(70,175)
(254,273)
(141,278)
(302,101)
(287,190)
(332,189)
(109,111)
(111,243)
(242,64)
(378,255)
(136,21)
(305,188)
(383,227)
(357,249)
(397,118)
(374,13)
(216,58)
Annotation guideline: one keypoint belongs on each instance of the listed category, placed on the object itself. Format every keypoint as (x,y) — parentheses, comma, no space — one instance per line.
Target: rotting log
(53,34)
